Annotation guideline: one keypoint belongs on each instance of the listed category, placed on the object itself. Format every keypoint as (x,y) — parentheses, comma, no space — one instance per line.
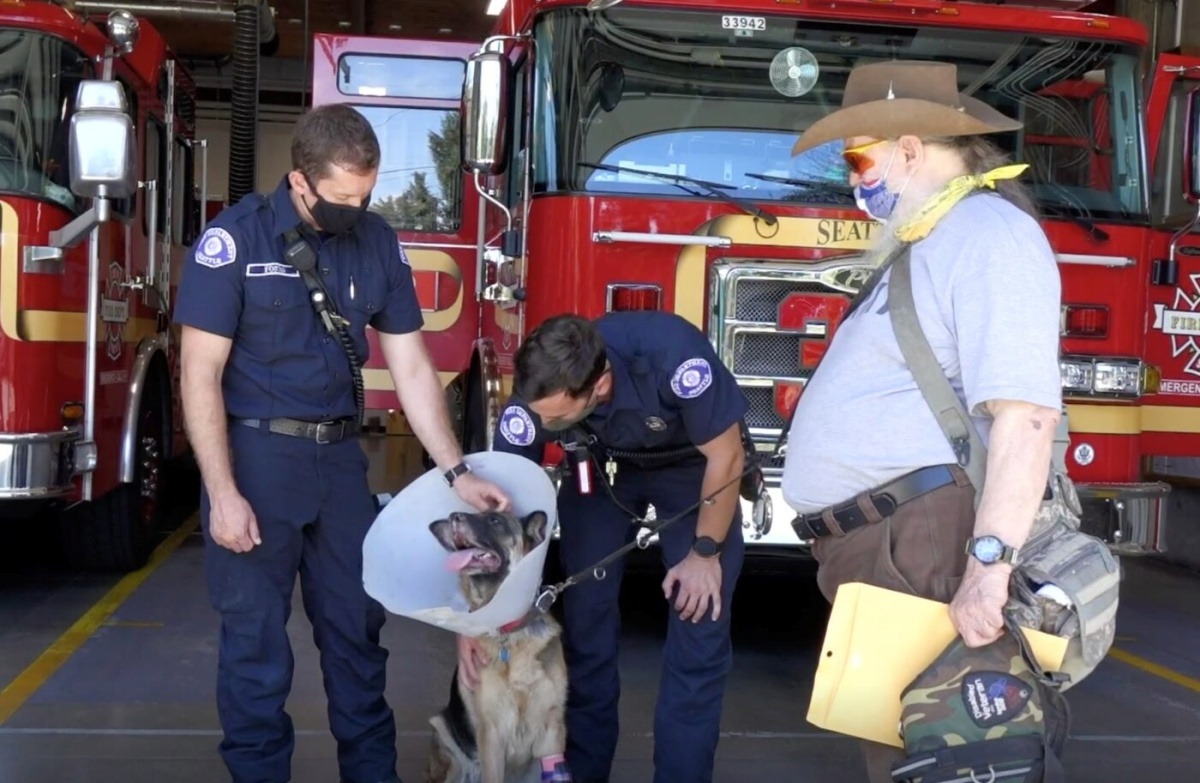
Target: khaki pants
(918,550)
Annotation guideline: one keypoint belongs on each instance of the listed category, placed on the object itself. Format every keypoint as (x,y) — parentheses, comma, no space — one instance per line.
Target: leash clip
(545,599)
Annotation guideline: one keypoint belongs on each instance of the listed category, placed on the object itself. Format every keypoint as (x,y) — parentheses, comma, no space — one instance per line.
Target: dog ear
(535,525)
(443,531)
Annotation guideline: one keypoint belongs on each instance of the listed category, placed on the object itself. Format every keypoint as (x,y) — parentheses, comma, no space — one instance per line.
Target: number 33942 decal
(729,22)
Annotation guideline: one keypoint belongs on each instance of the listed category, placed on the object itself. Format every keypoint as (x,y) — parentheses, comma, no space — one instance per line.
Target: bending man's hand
(699,580)
(977,610)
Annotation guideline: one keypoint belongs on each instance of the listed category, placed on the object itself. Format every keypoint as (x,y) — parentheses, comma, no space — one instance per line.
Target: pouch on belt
(1083,568)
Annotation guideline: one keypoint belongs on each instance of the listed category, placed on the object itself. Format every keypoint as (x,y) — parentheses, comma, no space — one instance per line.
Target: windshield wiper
(812,187)
(1087,224)
(709,187)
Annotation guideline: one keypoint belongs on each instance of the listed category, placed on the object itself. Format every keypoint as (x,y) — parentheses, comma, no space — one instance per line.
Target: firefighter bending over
(651,416)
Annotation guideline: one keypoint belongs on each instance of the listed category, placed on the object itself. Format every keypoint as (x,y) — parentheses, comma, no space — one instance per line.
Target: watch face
(705,546)
(989,549)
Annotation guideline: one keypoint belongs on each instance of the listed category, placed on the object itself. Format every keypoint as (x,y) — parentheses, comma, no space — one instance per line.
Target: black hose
(243,122)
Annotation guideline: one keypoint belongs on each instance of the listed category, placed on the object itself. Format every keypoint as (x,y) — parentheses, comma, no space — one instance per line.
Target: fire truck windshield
(39,75)
(722,98)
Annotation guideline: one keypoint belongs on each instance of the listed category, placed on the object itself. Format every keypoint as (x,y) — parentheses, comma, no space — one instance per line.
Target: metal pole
(93,311)
(177,10)
(203,185)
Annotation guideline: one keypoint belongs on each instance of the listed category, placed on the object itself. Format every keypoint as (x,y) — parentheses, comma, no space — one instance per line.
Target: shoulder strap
(947,408)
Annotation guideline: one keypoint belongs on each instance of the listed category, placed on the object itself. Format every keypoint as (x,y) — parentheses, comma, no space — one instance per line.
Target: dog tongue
(459,560)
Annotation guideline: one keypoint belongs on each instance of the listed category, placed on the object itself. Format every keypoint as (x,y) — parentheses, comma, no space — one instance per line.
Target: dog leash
(550,593)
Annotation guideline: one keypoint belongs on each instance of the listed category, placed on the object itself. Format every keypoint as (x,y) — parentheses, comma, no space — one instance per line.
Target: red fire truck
(98,204)
(606,155)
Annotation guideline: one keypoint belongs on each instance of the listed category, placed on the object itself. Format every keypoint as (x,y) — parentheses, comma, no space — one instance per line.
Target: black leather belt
(885,500)
(320,431)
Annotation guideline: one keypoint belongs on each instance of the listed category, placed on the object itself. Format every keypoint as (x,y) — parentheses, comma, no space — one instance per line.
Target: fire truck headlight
(1076,376)
(1104,376)
(1119,378)
(102,142)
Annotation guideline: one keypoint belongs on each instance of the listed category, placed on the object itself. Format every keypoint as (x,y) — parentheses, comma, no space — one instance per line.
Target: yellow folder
(877,642)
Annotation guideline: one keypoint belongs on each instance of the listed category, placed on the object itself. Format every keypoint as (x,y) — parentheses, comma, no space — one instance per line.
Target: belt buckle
(321,428)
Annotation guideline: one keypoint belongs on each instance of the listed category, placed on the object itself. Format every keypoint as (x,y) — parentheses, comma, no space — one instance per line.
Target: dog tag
(610,468)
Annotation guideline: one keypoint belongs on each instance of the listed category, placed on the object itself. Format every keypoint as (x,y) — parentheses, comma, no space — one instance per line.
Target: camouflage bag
(984,714)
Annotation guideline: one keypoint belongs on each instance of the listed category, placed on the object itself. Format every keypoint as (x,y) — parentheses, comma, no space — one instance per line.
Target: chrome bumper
(1131,518)
(37,465)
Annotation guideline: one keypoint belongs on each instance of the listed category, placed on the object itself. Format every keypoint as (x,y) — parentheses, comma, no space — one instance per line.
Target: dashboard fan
(794,71)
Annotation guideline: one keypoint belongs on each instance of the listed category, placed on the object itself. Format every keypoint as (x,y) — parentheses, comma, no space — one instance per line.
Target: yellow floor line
(37,673)
(1158,670)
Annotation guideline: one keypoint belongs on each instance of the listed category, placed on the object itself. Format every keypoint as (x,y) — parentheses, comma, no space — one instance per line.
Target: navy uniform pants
(697,656)
(313,508)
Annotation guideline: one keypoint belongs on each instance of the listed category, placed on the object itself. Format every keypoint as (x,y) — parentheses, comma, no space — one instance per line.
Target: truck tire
(474,420)
(464,401)
(117,532)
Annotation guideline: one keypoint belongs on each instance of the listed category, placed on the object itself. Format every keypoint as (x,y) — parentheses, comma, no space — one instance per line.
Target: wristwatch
(455,472)
(990,550)
(707,547)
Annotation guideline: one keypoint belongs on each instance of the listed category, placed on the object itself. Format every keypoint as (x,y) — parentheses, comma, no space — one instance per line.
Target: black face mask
(336,218)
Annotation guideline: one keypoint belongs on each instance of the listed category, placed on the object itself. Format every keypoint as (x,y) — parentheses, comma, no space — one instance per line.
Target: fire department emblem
(516,426)
(114,311)
(1183,326)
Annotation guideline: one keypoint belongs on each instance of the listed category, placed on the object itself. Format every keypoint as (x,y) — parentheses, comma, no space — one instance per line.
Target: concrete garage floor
(127,692)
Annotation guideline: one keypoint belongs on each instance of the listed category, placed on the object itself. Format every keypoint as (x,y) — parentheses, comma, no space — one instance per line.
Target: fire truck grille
(770,354)
(745,309)
(758,299)
(762,414)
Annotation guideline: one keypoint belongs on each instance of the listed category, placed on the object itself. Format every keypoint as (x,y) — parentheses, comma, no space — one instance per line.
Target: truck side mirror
(1191,148)
(485,113)
(102,142)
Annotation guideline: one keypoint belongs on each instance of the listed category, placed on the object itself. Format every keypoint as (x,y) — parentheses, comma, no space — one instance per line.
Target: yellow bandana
(955,191)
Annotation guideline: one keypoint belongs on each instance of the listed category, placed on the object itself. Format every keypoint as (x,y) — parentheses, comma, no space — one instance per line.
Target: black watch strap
(455,472)
(707,547)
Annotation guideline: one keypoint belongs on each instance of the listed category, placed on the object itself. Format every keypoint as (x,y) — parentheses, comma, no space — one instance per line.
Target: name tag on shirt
(271,270)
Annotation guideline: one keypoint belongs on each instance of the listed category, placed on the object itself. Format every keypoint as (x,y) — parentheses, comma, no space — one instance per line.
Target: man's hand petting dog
(699,581)
(482,494)
(471,658)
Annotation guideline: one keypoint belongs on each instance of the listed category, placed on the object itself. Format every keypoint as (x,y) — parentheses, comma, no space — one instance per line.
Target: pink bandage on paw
(554,769)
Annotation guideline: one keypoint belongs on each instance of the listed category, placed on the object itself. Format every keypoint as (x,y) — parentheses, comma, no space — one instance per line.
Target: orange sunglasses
(859,163)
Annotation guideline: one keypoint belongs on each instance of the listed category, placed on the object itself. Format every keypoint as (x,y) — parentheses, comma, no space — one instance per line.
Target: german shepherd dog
(513,720)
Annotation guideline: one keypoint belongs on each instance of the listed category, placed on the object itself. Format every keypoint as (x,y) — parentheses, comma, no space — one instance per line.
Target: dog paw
(554,770)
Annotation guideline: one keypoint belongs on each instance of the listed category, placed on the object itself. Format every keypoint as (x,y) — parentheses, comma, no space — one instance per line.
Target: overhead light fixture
(600,5)
(495,7)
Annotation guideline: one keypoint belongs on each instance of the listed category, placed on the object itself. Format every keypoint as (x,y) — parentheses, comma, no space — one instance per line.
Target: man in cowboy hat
(874,481)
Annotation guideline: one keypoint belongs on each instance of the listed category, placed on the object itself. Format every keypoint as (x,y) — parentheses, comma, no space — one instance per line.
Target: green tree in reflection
(444,147)
(418,208)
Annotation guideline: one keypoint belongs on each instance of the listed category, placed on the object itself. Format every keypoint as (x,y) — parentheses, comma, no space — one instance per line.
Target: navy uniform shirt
(669,390)
(236,284)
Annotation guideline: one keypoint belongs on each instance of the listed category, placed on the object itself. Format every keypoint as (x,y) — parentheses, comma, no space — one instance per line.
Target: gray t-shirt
(987,291)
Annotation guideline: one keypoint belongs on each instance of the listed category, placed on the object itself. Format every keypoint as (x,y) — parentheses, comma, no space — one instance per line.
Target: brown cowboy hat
(886,100)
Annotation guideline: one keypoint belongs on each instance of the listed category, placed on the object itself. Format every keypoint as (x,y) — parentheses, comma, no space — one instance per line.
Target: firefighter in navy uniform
(272,415)
(651,412)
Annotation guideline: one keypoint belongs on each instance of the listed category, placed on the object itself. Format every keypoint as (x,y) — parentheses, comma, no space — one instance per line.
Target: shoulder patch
(692,378)
(403,255)
(216,248)
(516,426)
